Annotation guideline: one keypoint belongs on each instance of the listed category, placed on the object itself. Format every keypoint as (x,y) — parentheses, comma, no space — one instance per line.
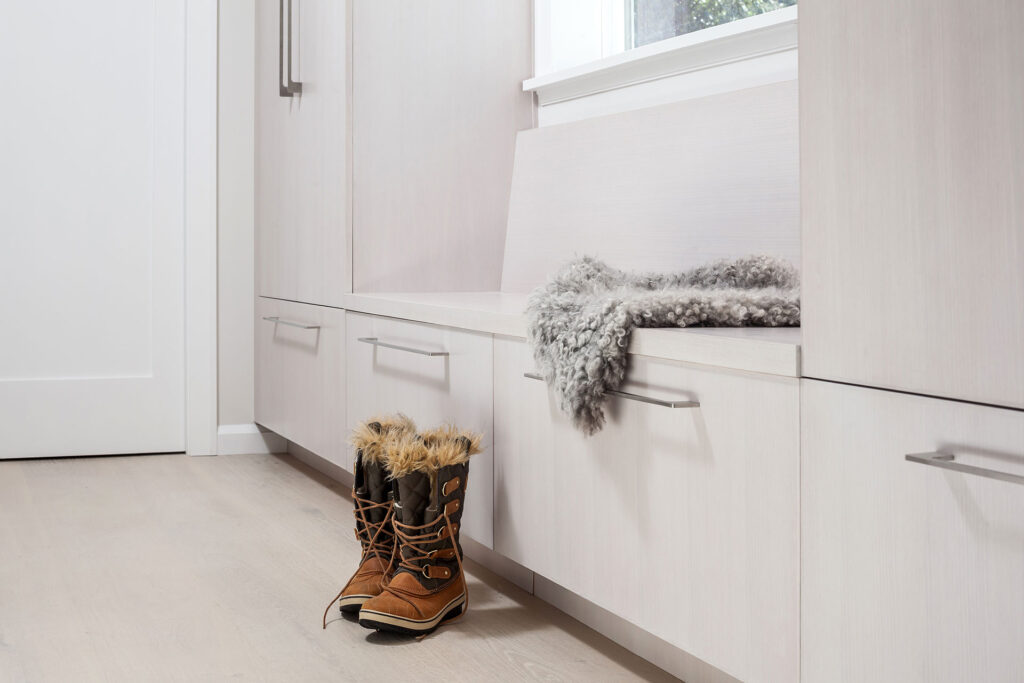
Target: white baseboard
(248,438)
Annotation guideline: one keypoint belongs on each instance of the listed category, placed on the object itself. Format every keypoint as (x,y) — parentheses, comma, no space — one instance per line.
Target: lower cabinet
(684,521)
(911,572)
(390,370)
(300,385)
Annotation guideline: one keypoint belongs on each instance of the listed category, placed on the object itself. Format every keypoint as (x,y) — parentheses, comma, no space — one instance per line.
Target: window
(574,32)
(648,21)
(596,57)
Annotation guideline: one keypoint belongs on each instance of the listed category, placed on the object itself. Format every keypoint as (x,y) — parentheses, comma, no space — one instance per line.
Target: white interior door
(92,227)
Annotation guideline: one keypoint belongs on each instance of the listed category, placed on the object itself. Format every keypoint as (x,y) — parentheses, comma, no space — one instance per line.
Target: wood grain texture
(300,376)
(169,568)
(663,188)
(910,573)
(684,522)
(755,349)
(437,102)
(912,174)
(303,232)
(432,390)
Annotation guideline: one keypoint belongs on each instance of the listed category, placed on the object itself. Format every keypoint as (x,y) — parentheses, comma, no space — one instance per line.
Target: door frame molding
(201,227)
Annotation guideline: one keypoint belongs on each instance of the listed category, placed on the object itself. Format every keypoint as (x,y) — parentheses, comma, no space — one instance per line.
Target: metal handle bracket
(635,397)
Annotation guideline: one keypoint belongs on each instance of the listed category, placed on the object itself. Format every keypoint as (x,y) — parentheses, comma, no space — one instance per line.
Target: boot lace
(374,537)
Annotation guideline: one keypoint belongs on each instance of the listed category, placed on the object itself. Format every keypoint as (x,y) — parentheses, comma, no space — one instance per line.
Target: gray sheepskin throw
(580,322)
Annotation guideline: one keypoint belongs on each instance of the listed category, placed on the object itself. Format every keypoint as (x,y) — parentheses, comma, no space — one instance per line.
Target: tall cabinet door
(437,102)
(912,168)
(302,217)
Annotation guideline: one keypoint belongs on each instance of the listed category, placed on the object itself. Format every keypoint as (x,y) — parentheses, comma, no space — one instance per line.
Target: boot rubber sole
(410,627)
(350,604)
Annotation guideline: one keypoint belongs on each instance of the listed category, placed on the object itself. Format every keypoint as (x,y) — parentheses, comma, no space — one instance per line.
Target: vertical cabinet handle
(285,88)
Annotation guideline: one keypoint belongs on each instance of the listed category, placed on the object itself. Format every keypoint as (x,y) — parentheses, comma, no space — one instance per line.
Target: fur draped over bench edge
(580,322)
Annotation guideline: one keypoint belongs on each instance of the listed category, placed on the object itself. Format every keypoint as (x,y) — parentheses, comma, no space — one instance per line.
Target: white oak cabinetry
(684,521)
(434,375)
(437,101)
(302,209)
(300,385)
(911,573)
(912,172)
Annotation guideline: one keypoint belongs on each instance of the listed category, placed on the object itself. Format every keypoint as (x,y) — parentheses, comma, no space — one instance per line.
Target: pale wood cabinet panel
(300,382)
(911,574)
(683,521)
(432,390)
(437,101)
(912,173)
(303,231)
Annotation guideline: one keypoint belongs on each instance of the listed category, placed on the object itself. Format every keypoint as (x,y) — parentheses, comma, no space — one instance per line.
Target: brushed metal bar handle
(408,349)
(289,88)
(948,462)
(635,397)
(290,323)
(282,89)
(294,87)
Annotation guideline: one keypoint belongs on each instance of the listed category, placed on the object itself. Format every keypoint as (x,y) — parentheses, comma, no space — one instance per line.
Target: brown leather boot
(371,494)
(428,587)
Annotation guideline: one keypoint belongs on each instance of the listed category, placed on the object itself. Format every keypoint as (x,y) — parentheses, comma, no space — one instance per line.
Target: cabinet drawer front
(910,572)
(685,521)
(301,375)
(431,389)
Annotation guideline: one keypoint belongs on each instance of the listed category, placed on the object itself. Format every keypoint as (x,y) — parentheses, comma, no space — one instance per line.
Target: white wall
(235,232)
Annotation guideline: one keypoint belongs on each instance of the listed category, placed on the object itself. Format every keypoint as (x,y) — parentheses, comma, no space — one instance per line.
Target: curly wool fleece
(580,322)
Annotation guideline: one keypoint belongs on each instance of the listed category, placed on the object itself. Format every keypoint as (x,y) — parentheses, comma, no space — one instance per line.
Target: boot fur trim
(432,450)
(371,436)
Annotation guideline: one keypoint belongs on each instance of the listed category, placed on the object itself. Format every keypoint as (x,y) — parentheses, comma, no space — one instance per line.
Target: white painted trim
(201,227)
(737,41)
(242,439)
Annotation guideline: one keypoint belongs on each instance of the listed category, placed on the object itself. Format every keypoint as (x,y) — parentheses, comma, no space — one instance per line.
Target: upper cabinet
(302,196)
(912,167)
(437,102)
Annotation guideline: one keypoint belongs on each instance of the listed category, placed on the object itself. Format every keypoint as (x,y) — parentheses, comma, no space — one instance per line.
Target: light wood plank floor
(170,568)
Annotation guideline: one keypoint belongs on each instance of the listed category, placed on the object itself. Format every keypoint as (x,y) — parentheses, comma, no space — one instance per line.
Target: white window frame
(744,53)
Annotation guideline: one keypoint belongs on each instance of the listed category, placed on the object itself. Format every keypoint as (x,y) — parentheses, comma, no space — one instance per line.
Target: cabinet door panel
(438,100)
(432,390)
(301,375)
(302,215)
(912,169)
(910,572)
(683,521)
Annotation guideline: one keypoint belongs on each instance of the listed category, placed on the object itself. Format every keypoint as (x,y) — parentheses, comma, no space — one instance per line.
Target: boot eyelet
(425,571)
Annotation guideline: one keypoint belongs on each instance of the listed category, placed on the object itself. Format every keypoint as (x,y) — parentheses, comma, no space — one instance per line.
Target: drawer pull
(635,397)
(408,349)
(278,321)
(948,462)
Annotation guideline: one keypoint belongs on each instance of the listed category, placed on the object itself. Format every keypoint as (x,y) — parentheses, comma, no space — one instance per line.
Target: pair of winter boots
(409,494)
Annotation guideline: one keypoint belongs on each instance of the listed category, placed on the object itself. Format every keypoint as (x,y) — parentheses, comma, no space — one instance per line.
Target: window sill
(749,38)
